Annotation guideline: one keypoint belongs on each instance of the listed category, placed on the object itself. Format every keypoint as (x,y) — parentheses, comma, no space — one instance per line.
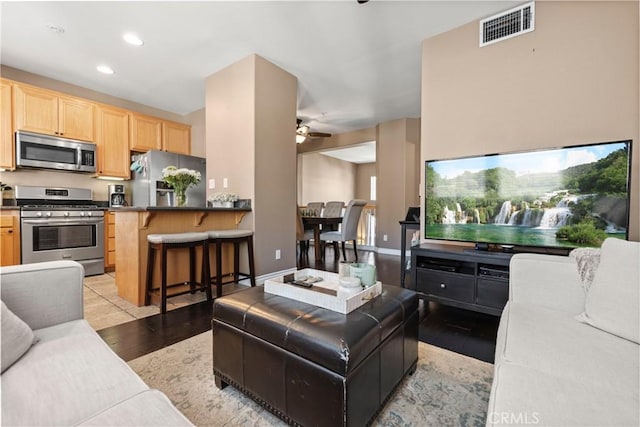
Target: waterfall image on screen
(563,197)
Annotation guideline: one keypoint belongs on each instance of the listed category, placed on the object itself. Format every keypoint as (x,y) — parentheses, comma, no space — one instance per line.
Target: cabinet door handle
(442,285)
(9,231)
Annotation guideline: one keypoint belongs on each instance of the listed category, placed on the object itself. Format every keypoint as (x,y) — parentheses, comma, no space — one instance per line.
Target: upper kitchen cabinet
(112,141)
(44,111)
(151,133)
(145,132)
(7,158)
(176,137)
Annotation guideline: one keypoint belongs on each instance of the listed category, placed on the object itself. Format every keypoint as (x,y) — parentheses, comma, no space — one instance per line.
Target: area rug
(447,389)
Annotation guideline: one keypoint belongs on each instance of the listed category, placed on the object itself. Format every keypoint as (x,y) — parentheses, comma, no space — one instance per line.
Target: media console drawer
(492,292)
(453,286)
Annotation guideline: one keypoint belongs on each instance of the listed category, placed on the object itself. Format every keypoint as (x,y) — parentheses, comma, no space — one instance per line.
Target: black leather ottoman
(312,366)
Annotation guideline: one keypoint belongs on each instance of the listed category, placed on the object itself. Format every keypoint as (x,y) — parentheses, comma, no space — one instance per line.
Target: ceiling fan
(303,132)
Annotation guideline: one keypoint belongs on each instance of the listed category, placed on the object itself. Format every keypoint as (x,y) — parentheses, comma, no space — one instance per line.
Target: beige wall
(250,140)
(339,140)
(364,172)
(397,178)
(574,80)
(51,84)
(66,179)
(197,120)
(325,178)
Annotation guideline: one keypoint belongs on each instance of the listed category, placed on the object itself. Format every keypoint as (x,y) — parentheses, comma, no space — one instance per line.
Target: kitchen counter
(172,208)
(134,224)
(9,208)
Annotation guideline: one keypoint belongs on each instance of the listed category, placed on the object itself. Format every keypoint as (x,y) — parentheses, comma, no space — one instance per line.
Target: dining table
(316,222)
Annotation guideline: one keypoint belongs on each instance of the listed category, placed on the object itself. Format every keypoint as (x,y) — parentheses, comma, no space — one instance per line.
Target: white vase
(217,204)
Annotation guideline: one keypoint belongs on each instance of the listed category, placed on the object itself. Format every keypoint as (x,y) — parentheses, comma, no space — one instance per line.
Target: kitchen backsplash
(61,179)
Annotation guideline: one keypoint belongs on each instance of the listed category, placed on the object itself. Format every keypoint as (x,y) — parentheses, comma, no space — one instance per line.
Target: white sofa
(69,376)
(568,354)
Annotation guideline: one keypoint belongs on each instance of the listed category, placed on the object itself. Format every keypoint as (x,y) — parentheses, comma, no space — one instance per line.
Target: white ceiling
(359,153)
(357,65)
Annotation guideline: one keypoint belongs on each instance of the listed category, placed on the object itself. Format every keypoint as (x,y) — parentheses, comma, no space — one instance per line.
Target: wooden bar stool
(237,237)
(165,242)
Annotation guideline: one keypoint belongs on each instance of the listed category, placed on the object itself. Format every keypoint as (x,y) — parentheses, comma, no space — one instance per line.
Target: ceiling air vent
(504,25)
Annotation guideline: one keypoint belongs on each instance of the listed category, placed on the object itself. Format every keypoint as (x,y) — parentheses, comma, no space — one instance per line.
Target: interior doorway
(342,174)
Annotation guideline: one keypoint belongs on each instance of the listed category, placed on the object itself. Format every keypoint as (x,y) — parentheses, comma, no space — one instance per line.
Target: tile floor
(104,308)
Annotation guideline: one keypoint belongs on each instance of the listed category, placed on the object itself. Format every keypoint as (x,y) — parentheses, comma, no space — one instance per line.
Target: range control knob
(81,213)
(66,214)
(89,214)
(39,214)
(48,214)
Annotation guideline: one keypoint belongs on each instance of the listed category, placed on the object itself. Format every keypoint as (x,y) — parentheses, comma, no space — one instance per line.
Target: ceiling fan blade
(319,134)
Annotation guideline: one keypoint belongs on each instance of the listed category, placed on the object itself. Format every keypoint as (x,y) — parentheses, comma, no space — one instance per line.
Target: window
(373,188)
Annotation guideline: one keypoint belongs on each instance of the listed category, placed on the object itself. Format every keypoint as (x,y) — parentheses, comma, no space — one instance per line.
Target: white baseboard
(387,251)
(261,279)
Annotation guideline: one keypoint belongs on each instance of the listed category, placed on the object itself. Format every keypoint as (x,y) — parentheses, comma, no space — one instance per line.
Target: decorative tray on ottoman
(323,293)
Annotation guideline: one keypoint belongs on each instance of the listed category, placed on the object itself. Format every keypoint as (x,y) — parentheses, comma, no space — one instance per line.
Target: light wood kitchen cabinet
(7,147)
(152,133)
(145,133)
(110,242)
(176,137)
(9,238)
(44,111)
(112,141)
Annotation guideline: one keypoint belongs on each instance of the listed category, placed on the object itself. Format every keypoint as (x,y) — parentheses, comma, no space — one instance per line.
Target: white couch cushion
(149,408)
(17,337)
(613,301)
(65,380)
(75,327)
(554,342)
(526,396)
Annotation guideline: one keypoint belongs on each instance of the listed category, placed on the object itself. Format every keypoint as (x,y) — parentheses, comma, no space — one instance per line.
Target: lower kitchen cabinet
(110,241)
(9,237)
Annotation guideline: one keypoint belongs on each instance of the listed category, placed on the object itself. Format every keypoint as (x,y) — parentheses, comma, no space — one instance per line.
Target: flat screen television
(564,197)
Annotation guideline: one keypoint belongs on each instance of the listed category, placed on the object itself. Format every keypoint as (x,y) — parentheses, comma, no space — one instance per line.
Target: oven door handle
(75,221)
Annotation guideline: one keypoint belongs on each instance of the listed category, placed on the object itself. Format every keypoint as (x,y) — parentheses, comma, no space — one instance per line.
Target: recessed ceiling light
(105,69)
(133,39)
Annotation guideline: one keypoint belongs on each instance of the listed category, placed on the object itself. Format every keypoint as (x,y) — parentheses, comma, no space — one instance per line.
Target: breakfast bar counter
(134,224)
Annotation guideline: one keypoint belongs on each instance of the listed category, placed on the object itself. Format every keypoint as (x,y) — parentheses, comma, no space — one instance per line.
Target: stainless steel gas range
(61,223)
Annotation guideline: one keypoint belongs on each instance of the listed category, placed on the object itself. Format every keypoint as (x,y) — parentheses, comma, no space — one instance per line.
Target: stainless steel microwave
(50,152)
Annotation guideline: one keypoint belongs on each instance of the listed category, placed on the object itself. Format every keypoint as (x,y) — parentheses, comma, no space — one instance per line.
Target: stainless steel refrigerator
(147,187)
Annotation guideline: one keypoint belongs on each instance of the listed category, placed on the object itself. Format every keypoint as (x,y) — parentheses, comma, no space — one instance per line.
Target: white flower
(180,179)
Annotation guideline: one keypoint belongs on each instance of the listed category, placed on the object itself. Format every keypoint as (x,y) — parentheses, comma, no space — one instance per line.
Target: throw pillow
(612,301)
(587,260)
(17,337)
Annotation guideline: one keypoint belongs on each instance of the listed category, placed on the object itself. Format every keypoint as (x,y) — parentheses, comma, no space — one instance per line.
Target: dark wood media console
(461,276)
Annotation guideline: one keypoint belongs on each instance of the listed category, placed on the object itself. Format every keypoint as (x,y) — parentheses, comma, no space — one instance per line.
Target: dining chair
(315,207)
(332,210)
(348,228)
(303,236)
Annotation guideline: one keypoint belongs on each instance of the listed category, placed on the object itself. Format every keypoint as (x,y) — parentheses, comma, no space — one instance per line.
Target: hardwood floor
(465,332)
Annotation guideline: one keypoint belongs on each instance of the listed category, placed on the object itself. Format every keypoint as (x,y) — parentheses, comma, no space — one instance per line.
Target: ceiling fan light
(300,139)
(304,129)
